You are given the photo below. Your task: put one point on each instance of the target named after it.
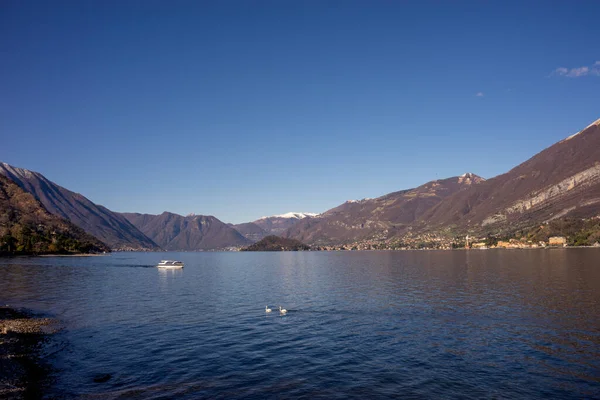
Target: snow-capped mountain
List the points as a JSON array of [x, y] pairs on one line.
[[381, 217], [277, 224], [296, 215]]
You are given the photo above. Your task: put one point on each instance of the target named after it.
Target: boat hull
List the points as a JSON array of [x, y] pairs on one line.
[[171, 264]]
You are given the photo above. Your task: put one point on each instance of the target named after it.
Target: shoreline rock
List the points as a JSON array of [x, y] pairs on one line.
[[23, 372]]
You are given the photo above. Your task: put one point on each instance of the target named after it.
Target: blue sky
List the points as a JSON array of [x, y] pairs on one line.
[[240, 109]]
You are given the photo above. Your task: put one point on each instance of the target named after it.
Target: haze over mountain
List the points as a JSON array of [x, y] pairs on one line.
[[111, 228], [192, 232], [562, 180], [26, 227]]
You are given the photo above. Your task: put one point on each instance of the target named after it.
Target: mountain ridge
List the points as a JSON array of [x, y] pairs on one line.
[[562, 176], [377, 218], [26, 227], [97, 220], [560, 181], [296, 215], [250, 231], [193, 232], [277, 224]]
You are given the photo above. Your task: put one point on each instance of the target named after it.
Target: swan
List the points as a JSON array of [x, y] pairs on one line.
[[282, 311], [267, 309]]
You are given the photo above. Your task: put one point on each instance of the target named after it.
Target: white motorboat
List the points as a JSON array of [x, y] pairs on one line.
[[170, 264]]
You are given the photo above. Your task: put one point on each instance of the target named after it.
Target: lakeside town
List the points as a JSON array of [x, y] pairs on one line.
[[430, 242]]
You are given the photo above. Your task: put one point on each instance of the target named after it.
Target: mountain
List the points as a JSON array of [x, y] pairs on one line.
[[193, 232], [276, 243], [277, 224], [273, 225], [111, 228], [560, 181], [26, 227], [379, 218], [250, 231]]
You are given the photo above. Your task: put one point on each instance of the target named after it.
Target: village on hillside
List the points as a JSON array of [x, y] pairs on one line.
[[431, 242]]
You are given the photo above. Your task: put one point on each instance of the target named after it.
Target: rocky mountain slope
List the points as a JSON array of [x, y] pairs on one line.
[[560, 181], [379, 218], [111, 228], [193, 232], [26, 227]]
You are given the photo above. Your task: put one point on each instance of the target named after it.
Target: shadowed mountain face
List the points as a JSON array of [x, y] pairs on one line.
[[561, 181], [112, 228], [196, 232], [27, 227], [250, 231], [380, 218]]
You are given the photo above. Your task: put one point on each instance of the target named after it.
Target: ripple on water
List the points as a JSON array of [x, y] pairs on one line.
[[360, 325]]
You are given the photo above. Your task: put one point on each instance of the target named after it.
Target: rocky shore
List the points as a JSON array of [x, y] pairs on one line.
[[23, 372]]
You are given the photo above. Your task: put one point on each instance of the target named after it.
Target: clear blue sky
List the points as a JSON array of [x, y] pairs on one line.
[[241, 109]]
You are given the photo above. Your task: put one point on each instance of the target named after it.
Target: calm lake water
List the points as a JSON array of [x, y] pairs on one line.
[[406, 324]]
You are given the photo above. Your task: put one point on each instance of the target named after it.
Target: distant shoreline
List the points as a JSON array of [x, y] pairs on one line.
[[73, 255], [53, 255], [348, 250]]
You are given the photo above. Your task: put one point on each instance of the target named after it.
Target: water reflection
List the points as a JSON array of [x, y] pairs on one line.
[[167, 276]]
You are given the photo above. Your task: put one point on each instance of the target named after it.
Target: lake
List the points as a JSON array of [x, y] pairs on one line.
[[381, 324]]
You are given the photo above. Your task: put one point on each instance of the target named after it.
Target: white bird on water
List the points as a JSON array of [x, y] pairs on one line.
[[282, 311], [267, 309]]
